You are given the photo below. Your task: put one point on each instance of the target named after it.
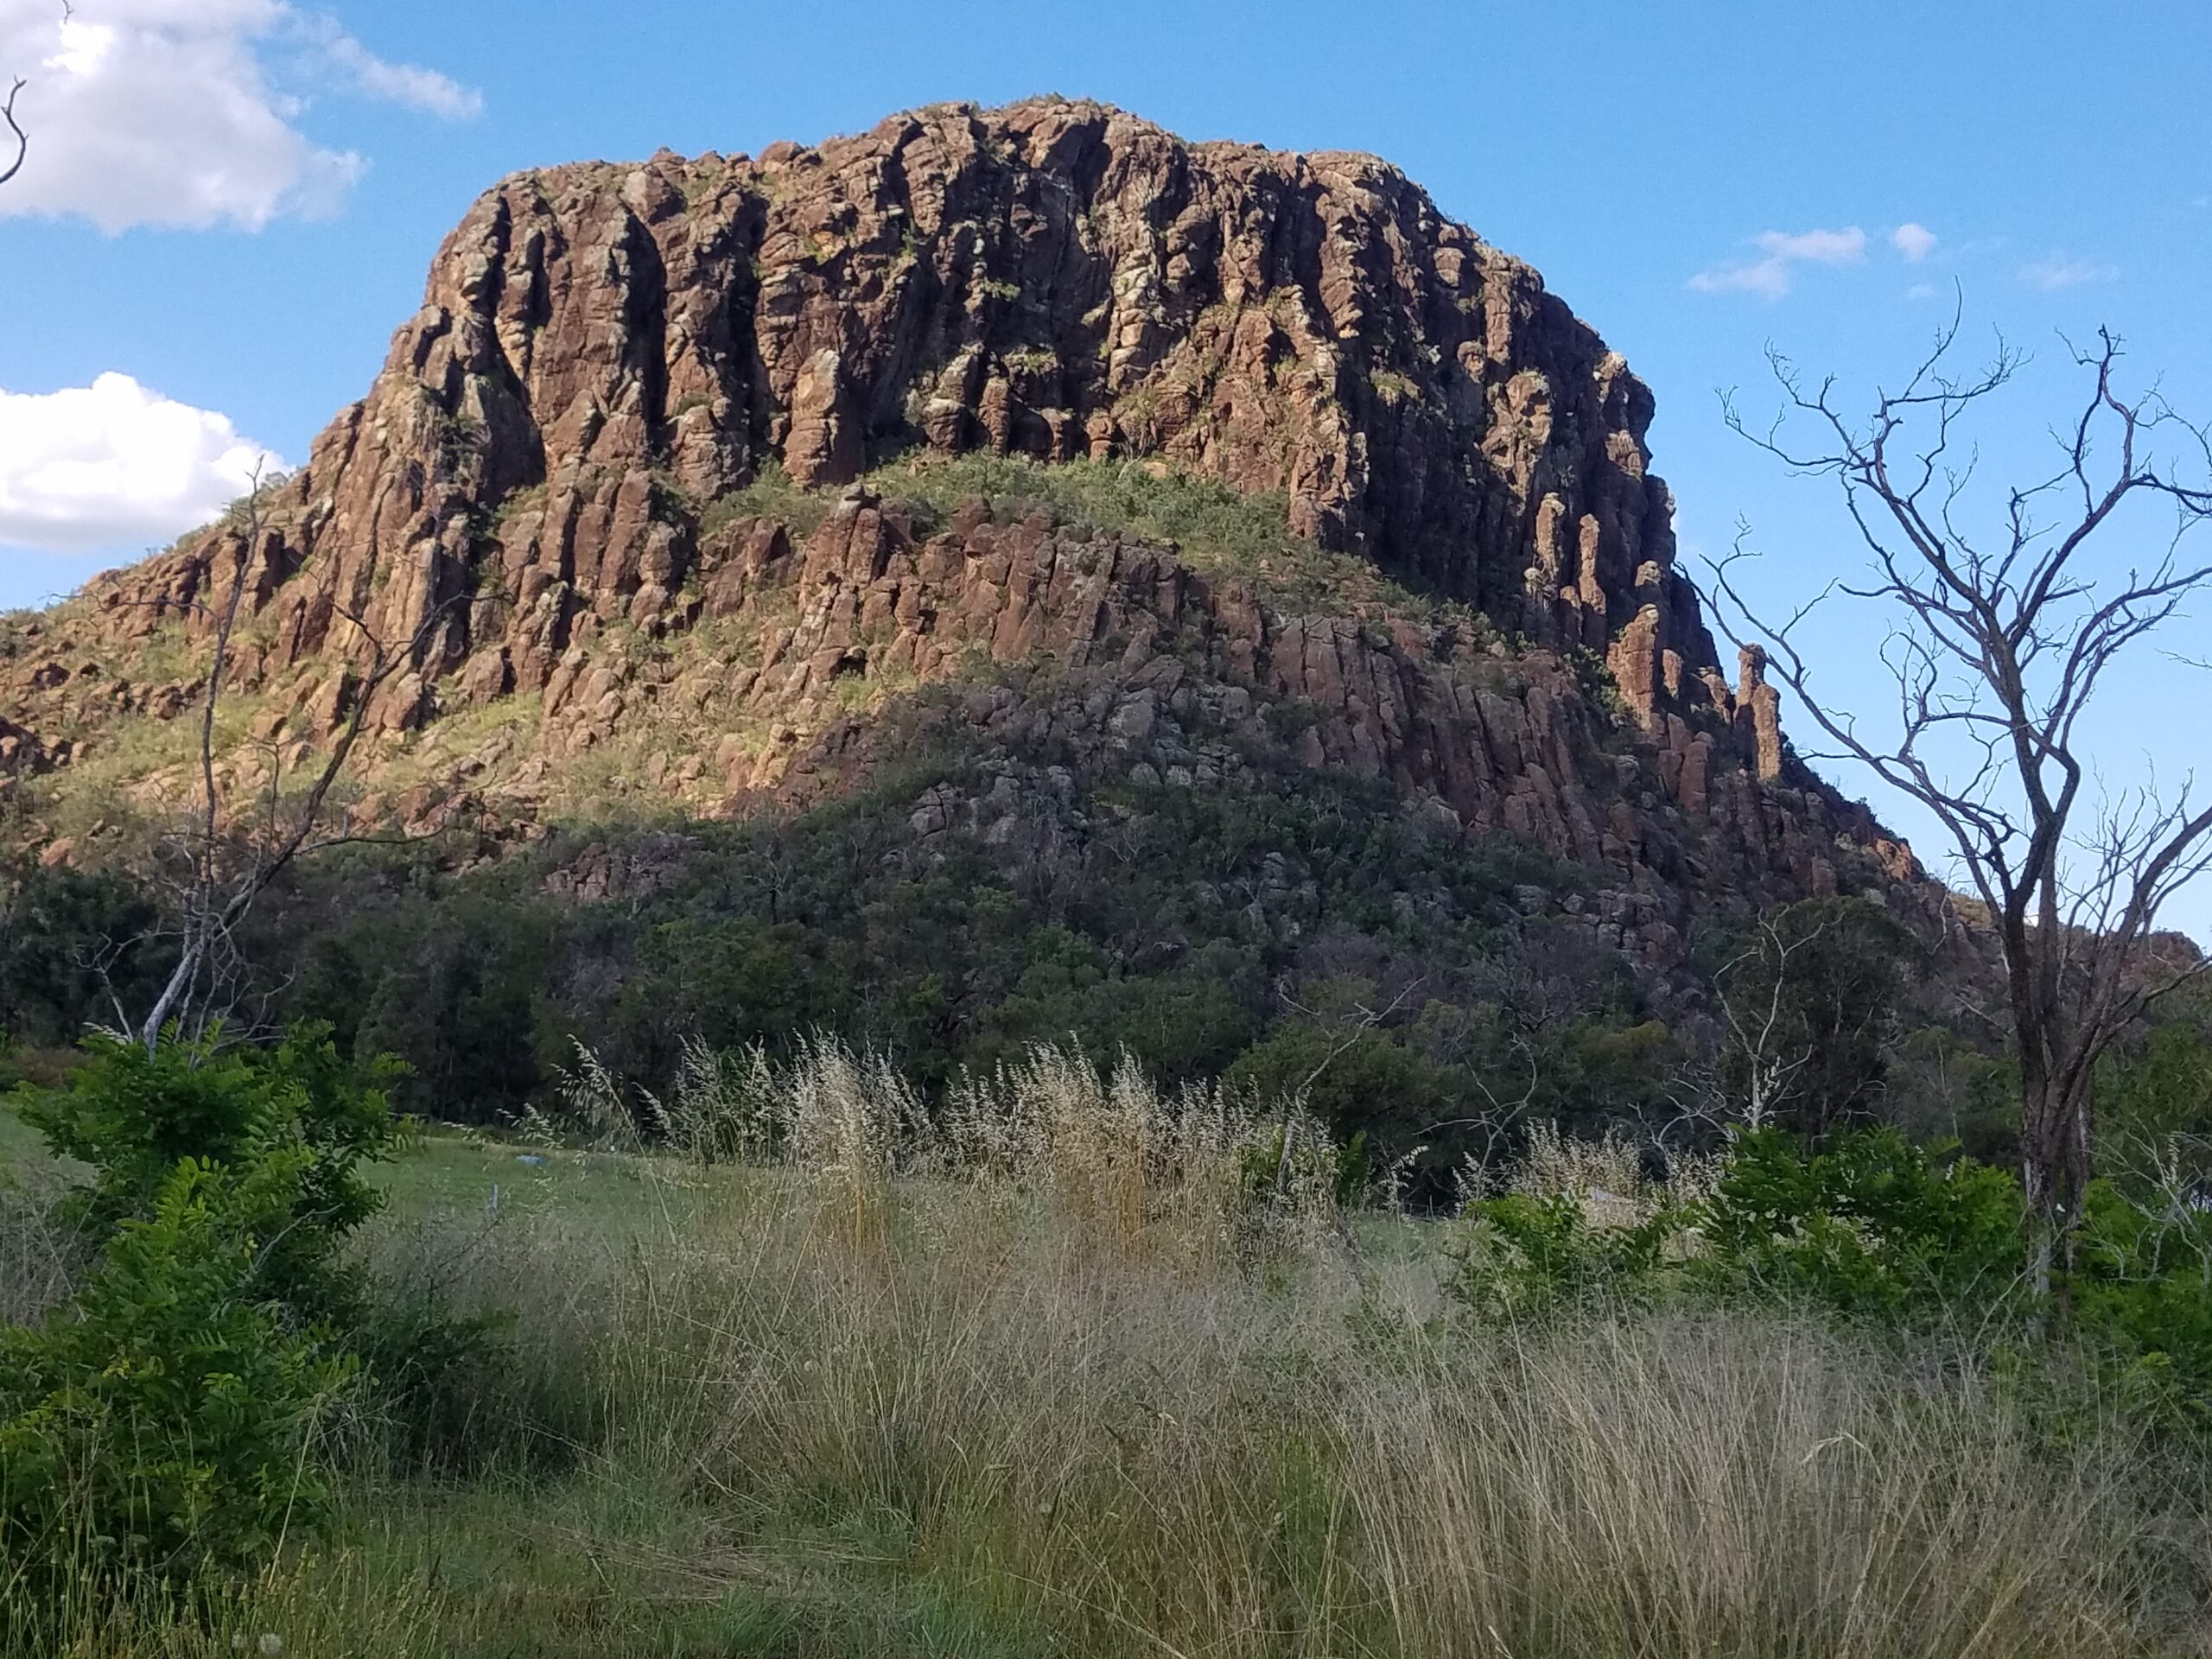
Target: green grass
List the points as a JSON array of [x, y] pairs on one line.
[[612, 1196], [1216, 531], [21, 1149]]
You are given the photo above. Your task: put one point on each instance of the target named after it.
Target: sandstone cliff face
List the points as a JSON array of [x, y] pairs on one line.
[[605, 354]]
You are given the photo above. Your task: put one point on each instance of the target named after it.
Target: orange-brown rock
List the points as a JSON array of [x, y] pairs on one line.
[[602, 349], [533, 491]]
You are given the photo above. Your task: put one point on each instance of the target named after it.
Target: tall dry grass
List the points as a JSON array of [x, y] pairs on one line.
[[1027, 1378], [1125, 1164], [1106, 1455], [1047, 1380]]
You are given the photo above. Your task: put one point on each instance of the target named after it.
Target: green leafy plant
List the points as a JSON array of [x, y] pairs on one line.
[[1869, 1223], [163, 1426], [2141, 1284], [1525, 1255], [134, 1117], [166, 1424]]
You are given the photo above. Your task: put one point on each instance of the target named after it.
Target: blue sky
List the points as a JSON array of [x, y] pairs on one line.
[[2051, 160]]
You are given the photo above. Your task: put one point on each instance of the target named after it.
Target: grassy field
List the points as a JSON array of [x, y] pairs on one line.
[[817, 1411]]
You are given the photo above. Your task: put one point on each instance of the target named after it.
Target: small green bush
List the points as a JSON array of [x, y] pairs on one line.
[[1525, 1256], [2140, 1285], [134, 1117], [166, 1424], [163, 1426], [1869, 1223]]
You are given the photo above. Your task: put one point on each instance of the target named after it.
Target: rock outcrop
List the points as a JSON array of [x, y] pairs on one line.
[[553, 493], [1145, 653]]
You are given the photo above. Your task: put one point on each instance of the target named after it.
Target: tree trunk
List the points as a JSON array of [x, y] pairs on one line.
[[2055, 1169]]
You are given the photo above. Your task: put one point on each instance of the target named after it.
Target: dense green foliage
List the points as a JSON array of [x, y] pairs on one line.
[[1247, 931], [164, 1425], [2159, 1089], [1886, 1233], [70, 945], [168, 1421], [1868, 1224], [295, 1118], [1525, 1256], [2141, 1280], [1815, 994]]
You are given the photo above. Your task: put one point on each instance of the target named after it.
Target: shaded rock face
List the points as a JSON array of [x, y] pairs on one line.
[[529, 494], [1162, 675]]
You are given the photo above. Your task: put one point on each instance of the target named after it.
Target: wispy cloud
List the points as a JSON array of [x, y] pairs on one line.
[[1916, 241], [328, 49], [162, 112], [1781, 252], [2064, 271]]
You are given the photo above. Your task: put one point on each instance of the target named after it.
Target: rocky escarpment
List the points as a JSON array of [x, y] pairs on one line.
[[1144, 652], [557, 491]]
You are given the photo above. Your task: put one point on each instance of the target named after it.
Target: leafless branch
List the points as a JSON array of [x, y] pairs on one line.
[[8, 109], [1997, 648], [221, 874], [23, 138], [1365, 1020], [1771, 1068]]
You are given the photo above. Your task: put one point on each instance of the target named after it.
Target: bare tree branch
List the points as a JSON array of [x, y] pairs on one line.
[[8, 109], [226, 868], [1996, 649], [23, 138]]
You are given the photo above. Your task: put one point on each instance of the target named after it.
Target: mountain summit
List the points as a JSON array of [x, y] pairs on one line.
[[708, 484]]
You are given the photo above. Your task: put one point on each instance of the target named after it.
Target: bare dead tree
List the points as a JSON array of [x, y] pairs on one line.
[[1760, 1026], [1998, 641], [226, 859]]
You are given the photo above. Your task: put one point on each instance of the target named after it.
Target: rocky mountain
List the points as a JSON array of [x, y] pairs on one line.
[[714, 486]]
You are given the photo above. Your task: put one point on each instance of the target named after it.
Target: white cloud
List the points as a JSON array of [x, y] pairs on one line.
[[1782, 251], [1827, 247], [1914, 242], [2063, 271], [335, 54], [182, 113], [114, 465]]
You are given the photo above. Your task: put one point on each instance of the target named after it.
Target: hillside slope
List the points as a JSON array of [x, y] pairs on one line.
[[1098, 463]]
